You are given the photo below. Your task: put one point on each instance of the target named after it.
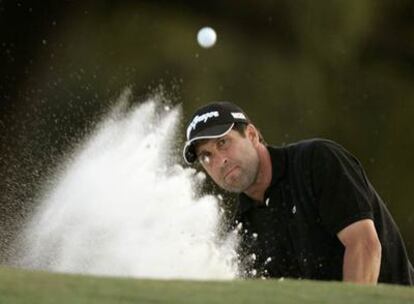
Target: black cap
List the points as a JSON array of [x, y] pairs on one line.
[[211, 121]]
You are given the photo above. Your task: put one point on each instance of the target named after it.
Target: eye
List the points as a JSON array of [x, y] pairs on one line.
[[204, 158], [222, 143]]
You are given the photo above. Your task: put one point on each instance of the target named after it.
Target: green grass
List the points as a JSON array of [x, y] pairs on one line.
[[30, 287]]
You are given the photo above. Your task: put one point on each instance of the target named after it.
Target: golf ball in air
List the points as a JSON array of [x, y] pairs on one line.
[[206, 37]]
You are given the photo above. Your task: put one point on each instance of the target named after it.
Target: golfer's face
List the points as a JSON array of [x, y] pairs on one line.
[[231, 161]]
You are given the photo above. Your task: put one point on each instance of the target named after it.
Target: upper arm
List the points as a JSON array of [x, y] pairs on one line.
[[342, 194], [362, 232]]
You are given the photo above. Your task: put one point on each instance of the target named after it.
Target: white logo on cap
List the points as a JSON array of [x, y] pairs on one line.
[[200, 118], [238, 115]]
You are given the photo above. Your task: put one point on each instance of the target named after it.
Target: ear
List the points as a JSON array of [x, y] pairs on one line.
[[251, 133]]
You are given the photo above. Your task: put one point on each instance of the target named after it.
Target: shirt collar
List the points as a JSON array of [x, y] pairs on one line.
[[278, 161]]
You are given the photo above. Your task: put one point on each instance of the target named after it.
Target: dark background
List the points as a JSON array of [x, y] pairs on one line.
[[337, 69]]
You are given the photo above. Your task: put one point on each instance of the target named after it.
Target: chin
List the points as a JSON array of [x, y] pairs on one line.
[[233, 189]]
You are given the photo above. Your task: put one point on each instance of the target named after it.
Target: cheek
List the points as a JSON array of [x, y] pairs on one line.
[[245, 155], [238, 153], [211, 172], [215, 174]]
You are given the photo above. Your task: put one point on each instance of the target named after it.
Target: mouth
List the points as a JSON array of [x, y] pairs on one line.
[[230, 171]]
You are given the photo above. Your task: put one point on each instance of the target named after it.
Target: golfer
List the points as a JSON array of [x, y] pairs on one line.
[[306, 210]]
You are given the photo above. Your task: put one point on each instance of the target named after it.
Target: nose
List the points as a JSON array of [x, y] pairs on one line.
[[222, 158]]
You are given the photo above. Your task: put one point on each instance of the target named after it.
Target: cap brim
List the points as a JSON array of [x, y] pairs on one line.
[[209, 133]]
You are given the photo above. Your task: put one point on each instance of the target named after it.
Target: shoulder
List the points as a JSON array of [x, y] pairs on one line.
[[314, 143], [309, 148], [320, 153]]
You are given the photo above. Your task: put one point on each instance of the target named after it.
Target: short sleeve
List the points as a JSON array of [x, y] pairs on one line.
[[342, 191]]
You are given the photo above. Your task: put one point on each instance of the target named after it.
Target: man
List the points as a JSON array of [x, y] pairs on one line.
[[306, 210]]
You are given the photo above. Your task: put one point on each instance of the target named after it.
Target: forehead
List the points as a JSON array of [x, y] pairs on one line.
[[206, 144], [203, 144]]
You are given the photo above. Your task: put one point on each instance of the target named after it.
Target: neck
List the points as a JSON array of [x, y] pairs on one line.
[[264, 176]]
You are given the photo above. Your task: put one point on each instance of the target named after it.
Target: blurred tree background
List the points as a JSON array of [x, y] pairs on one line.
[[338, 69]]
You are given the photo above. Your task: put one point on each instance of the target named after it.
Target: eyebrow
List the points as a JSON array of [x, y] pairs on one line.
[[203, 141], [198, 150], [201, 152]]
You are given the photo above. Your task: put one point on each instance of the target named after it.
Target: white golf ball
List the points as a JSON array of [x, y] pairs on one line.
[[206, 37]]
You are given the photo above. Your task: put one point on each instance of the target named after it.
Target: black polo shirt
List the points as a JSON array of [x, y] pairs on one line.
[[317, 189]]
